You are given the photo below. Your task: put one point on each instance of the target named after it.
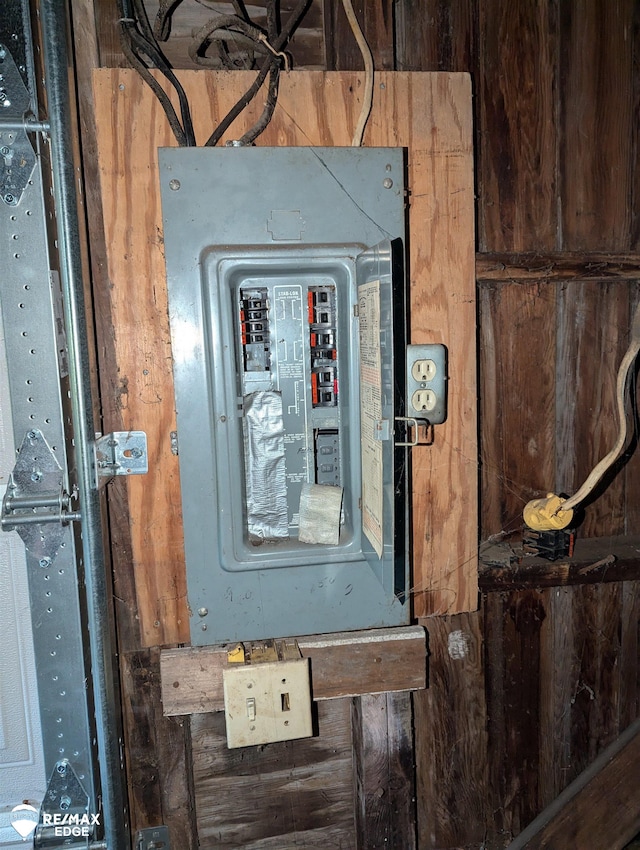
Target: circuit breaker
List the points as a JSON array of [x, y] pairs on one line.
[[287, 310]]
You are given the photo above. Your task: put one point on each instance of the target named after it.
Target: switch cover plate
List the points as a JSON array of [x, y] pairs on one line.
[[267, 702]]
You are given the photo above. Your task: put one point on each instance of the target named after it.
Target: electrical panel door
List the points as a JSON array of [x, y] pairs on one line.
[[287, 308]]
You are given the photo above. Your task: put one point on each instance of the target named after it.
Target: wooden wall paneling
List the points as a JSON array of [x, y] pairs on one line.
[[630, 654], [599, 809], [597, 105], [451, 737], [517, 400], [517, 136], [384, 774], [595, 701], [108, 31], [558, 676], [159, 769], [435, 35], [430, 115], [593, 332], [377, 23], [290, 794]]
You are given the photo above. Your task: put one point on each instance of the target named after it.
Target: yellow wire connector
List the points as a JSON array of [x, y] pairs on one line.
[[547, 514]]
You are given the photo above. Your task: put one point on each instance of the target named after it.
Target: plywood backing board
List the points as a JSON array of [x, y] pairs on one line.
[[430, 115]]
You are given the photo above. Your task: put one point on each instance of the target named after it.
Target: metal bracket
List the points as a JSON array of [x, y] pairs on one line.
[[35, 504], [413, 426], [121, 453], [65, 819], [153, 838], [17, 156]]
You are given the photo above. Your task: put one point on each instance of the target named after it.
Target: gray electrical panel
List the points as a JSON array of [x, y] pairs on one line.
[[287, 309]]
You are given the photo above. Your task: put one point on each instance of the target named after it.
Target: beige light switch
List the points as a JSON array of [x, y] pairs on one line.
[[267, 702]]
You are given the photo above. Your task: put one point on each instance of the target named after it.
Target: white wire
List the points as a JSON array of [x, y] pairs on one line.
[[367, 99], [621, 384]]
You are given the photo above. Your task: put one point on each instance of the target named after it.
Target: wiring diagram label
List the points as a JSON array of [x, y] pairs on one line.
[[371, 412]]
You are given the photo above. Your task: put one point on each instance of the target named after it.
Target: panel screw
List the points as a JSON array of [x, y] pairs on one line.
[[3, 54], [4, 150], [202, 612], [32, 435], [135, 452], [36, 475], [204, 627], [45, 562], [174, 185], [61, 767], [9, 198], [387, 182], [65, 803]]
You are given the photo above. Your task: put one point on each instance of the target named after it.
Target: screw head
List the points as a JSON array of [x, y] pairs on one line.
[[65, 803], [174, 185], [32, 435], [61, 768], [387, 182], [45, 562], [4, 150], [36, 475], [9, 198], [202, 612]]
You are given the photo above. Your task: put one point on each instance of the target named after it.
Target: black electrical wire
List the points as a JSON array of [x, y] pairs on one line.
[[162, 23], [271, 62], [215, 31], [139, 46]]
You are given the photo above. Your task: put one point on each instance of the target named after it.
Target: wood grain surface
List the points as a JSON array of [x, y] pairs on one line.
[[342, 664], [290, 794], [430, 115]]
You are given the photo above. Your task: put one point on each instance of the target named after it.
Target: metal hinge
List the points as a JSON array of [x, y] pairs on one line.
[[121, 453], [153, 838], [17, 156], [36, 504], [65, 819]]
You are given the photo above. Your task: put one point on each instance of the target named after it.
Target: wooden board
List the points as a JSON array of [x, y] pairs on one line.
[[597, 114], [599, 809], [290, 794], [159, 771], [384, 773], [342, 664], [517, 368], [427, 113], [595, 560], [518, 126], [451, 739]]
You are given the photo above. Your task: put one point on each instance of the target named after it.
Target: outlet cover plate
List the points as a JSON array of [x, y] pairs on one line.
[[436, 383], [267, 702]]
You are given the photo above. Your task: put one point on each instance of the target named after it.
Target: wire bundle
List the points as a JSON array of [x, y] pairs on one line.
[[141, 47]]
